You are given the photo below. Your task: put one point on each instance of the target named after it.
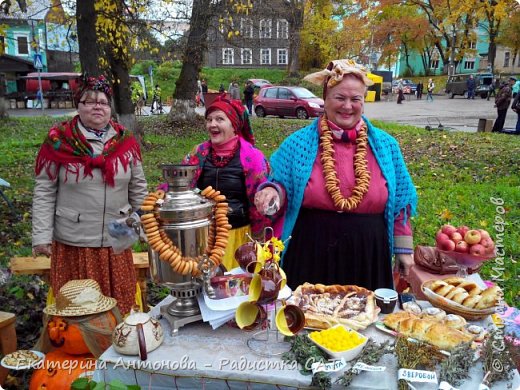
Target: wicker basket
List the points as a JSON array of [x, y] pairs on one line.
[[452, 307]]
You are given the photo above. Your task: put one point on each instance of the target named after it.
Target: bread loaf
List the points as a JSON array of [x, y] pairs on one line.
[[466, 293]]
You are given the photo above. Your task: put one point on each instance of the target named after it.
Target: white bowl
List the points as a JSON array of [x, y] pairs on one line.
[[348, 354]]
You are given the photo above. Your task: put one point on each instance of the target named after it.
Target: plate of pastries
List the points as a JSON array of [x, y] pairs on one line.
[[463, 297], [433, 326]]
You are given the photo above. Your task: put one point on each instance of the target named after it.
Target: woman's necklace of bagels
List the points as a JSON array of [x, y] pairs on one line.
[[361, 173], [160, 242]]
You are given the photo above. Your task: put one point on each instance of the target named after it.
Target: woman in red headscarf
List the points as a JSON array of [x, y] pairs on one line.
[[88, 173], [231, 164]]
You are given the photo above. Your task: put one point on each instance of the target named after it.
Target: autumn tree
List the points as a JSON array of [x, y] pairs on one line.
[[510, 33]]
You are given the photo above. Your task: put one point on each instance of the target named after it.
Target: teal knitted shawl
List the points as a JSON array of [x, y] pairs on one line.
[[291, 166]]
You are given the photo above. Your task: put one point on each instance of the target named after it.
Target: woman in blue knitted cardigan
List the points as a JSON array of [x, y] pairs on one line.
[[343, 190]]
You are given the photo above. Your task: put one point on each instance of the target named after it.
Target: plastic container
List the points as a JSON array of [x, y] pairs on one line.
[[347, 354]]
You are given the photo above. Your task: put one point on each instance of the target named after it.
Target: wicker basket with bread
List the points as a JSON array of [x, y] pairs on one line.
[[463, 297]]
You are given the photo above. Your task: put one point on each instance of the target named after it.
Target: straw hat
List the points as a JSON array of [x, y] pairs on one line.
[[80, 298]]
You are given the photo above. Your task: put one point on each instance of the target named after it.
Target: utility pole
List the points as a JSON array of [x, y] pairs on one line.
[[451, 68]]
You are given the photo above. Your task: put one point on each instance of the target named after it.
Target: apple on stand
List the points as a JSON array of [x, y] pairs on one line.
[[472, 237], [448, 229], [456, 237], [462, 247], [477, 250], [463, 230]]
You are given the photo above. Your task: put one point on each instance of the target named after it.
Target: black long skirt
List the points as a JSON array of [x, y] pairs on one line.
[[339, 248]]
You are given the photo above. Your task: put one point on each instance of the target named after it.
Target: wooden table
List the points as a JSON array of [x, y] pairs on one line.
[[42, 266]]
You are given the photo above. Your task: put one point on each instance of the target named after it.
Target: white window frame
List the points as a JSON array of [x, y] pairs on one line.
[[282, 29], [262, 52], [250, 51], [246, 27], [472, 45], [266, 26], [228, 56], [434, 64], [469, 64], [507, 59], [17, 52], [280, 51]]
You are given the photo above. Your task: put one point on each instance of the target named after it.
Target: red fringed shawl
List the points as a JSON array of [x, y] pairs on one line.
[[66, 146]]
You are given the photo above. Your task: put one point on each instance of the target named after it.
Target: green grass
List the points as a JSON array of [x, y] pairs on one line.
[[456, 174]]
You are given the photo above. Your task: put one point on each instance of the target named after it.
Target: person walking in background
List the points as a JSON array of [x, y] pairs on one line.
[[516, 88], [502, 101], [470, 86], [249, 92], [419, 90], [234, 91], [400, 92], [429, 89], [156, 101], [203, 91], [493, 89], [515, 106], [39, 99], [221, 89]]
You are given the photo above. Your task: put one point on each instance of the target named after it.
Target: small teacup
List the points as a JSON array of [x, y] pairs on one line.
[[263, 289], [386, 299], [250, 315], [290, 319], [245, 255], [273, 271]]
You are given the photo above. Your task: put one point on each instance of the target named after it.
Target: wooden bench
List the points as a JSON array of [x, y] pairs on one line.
[[42, 266], [7, 339]]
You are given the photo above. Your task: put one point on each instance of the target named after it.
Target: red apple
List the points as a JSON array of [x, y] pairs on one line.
[[488, 244], [483, 233], [463, 230], [456, 237], [477, 250], [462, 247], [448, 229], [446, 245], [472, 237], [441, 237]]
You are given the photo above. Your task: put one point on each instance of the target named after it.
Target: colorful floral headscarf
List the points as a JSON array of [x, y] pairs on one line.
[[335, 71], [236, 113], [99, 84]]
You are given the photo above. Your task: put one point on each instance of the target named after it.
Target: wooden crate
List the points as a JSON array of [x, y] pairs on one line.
[[68, 104], [20, 104], [54, 104], [61, 104], [12, 104]]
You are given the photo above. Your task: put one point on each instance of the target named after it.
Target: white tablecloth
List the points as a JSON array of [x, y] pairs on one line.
[[199, 357]]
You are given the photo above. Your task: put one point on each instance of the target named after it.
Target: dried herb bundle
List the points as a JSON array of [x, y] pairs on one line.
[[305, 352], [456, 367], [497, 362], [414, 355], [371, 354]]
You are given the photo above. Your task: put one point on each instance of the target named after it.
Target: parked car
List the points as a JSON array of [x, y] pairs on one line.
[[456, 84], [288, 101], [408, 86]]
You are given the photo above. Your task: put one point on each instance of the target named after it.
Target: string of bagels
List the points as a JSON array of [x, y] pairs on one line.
[[160, 242]]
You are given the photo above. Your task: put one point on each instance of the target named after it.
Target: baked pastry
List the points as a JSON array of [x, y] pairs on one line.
[[455, 321], [326, 306], [465, 293], [428, 330], [22, 357], [433, 312]]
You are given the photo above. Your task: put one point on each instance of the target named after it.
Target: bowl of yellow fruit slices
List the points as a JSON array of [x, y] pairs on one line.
[[339, 342]]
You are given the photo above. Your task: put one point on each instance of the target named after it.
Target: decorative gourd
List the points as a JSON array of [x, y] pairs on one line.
[[65, 335], [59, 370]]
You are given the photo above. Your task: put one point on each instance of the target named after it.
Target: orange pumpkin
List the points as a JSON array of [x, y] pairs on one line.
[[67, 337], [59, 370]]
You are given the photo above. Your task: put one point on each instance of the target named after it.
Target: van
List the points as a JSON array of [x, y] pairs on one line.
[[456, 84]]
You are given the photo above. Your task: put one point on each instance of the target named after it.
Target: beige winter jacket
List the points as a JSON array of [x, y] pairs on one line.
[[77, 213]]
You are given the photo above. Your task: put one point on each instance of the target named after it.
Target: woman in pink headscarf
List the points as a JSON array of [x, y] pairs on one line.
[[230, 163]]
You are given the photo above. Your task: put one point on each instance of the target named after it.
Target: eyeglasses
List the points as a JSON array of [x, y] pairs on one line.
[[93, 103]]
